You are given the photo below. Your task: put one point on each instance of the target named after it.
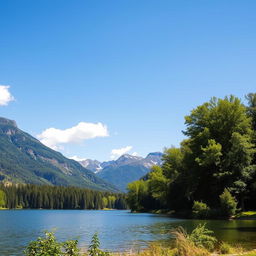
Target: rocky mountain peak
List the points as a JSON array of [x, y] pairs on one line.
[[5, 121], [154, 154], [125, 169], [91, 165], [127, 159]]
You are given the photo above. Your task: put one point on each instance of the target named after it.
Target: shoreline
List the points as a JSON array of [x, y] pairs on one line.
[[104, 209], [246, 215]]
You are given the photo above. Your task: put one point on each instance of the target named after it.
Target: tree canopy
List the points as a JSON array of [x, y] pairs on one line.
[[218, 154]]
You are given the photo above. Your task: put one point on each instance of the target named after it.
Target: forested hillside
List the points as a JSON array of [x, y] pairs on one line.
[[24, 159], [216, 162]]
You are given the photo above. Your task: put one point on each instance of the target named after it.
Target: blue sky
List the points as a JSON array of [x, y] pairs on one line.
[[137, 67]]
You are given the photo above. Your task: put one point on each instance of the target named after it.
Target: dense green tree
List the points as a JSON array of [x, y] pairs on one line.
[[251, 109], [2, 199], [105, 202], [228, 204], [172, 163], [218, 153], [200, 210], [251, 98], [220, 139], [137, 191], [158, 185]]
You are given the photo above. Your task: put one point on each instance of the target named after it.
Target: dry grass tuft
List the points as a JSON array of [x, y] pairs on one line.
[[185, 247]]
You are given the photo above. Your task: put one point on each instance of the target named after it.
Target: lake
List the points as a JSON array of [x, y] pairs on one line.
[[118, 230]]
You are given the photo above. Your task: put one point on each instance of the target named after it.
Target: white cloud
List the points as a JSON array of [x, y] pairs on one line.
[[77, 158], [115, 153], [53, 137], [5, 95], [135, 154]]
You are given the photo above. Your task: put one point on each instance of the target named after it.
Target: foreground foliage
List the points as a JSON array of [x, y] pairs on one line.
[[49, 246], [203, 238], [186, 246], [200, 242], [94, 248]]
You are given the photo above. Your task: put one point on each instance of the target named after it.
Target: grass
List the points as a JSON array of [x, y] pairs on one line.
[[185, 246], [153, 250], [252, 253], [246, 215], [158, 250]]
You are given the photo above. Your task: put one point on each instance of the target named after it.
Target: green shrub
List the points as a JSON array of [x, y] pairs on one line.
[[49, 246], [71, 248], [94, 249], [228, 204], [203, 237], [225, 248], [200, 210]]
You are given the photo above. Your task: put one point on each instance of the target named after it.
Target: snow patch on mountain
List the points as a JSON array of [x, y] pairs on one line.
[[150, 160]]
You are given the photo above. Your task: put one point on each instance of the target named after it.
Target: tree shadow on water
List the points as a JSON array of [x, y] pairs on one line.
[[241, 229]]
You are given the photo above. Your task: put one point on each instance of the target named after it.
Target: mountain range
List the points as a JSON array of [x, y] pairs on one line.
[[125, 169], [24, 159]]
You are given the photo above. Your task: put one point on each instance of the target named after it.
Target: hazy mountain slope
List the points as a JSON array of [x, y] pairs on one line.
[[24, 159], [125, 169], [122, 175]]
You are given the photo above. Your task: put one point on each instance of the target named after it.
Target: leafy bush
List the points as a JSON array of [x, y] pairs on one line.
[[203, 237], [200, 210], [225, 248], [49, 246], [228, 204], [94, 249], [71, 248]]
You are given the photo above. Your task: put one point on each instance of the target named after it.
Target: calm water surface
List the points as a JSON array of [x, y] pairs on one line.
[[118, 230]]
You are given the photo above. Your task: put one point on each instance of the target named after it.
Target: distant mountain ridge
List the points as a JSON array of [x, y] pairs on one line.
[[24, 159], [125, 169]]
